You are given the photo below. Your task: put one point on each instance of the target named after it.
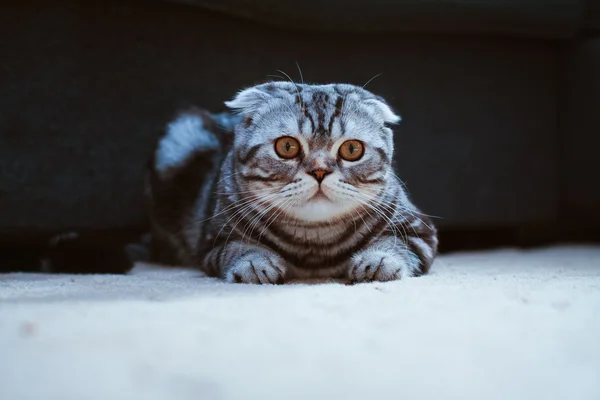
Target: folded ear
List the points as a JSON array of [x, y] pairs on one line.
[[248, 100], [384, 110]]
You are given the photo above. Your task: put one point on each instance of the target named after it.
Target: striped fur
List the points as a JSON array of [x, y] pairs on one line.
[[226, 202]]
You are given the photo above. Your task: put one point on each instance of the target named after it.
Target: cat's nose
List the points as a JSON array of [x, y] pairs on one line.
[[319, 174]]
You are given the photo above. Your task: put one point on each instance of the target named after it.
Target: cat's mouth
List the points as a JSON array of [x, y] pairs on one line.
[[322, 205], [320, 196]]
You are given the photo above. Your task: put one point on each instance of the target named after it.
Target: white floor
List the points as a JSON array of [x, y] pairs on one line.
[[499, 325]]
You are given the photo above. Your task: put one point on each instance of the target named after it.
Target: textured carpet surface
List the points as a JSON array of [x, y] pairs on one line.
[[491, 325]]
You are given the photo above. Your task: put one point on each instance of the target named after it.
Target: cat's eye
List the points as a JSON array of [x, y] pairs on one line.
[[287, 147], [352, 150]]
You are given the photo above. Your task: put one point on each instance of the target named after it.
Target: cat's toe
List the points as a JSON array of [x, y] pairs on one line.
[[256, 268], [376, 266]]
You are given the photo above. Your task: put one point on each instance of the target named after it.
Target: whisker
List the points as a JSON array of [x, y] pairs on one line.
[[354, 220], [254, 222], [369, 81], [394, 211], [245, 210], [228, 176], [411, 212], [389, 221], [290, 79], [363, 220], [282, 206], [300, 71], [242, 216], [246, 192], [294, 83], [406, 189], [232, 206]]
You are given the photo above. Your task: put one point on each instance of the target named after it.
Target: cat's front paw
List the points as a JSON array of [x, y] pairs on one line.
[[257, 267], [373, 265]]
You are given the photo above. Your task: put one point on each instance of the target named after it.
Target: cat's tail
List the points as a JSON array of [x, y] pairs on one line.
[[76, 253]]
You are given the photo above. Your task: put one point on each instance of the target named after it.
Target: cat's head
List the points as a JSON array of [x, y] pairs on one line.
[[315, 152]]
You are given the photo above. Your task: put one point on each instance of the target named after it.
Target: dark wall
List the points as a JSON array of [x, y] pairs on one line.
[[580, 143], [85, 89]]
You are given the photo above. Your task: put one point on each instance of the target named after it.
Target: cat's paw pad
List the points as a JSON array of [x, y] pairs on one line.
[[378, 266], [255, 267]]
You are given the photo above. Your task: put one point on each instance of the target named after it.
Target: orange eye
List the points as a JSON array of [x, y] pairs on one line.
[[352, 150], [287, 147]]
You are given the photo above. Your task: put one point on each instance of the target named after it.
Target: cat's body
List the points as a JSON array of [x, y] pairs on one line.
[[303, 188]]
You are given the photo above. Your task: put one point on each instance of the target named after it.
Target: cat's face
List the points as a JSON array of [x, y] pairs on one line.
[[314, 153]]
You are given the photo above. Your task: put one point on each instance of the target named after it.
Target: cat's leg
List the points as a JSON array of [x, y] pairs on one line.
[[395, 257], [239, 262]]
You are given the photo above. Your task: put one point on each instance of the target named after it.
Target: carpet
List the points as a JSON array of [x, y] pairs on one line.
[[504, 324]]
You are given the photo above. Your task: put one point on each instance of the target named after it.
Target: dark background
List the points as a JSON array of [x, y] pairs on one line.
[[499, 99]]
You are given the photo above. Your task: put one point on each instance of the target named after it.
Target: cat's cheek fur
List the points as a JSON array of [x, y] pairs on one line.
[[257, 266], [375, 264]]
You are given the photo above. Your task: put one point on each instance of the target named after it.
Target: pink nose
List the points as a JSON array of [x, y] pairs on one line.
[[319, 174]]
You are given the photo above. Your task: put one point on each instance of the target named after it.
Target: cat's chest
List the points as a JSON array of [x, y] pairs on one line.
[[317, 234]]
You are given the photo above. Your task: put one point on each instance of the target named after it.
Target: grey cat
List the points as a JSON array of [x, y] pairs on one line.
[[298, 183]]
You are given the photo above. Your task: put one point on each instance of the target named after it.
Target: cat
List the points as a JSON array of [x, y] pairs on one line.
[[296, 183]]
